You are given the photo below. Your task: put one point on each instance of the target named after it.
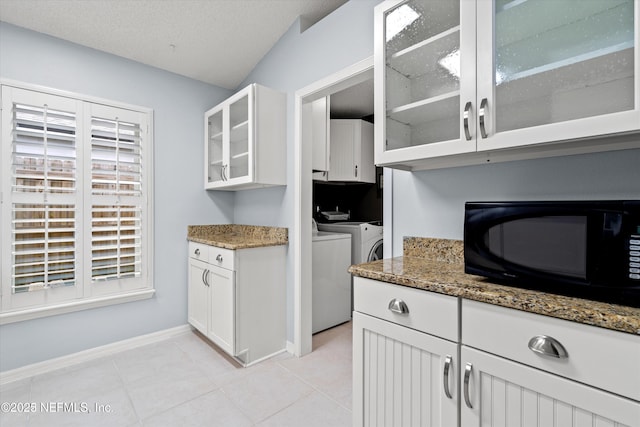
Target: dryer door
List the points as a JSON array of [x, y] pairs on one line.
[[376, 251]]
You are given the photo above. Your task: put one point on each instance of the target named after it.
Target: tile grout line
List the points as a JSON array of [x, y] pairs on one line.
[[314, 388]]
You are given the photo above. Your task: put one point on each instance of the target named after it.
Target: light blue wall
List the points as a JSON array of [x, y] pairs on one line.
[[431, 203], [179, 198]]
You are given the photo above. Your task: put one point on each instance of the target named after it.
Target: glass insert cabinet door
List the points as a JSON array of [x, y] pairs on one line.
[[215, 161], [550, 70], [239, 124], [425, 72]]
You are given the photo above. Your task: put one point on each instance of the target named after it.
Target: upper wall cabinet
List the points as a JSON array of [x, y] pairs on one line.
[[462, 82], [351, 151], [245, 141]]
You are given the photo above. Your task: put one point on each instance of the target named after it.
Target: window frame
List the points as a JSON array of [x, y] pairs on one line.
[[88, 294]]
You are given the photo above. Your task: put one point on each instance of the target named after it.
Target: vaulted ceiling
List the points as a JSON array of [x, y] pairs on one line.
[[215, 41]]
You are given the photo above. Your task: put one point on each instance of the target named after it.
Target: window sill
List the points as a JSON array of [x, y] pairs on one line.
[[34, 313]]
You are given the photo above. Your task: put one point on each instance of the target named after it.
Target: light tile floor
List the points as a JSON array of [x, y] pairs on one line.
[[185, 381]]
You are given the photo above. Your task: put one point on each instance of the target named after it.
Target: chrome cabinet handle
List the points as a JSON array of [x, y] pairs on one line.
[[204, 277], [224, 172], [219, 258], [548, 346], [356, 170], [481, 114], [467, 375], [447, 366], [467, 109], [197, 252], [398, 306]]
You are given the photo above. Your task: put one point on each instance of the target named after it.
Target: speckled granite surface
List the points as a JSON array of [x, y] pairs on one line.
[[437, 265], [237, 236]]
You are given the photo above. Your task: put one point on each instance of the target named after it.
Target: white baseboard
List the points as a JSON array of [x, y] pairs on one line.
[[291, 348], [90, 354]]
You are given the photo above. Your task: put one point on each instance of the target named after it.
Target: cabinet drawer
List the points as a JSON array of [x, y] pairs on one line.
[[221, 257], [596, 356], [428, 312], [199, 251]]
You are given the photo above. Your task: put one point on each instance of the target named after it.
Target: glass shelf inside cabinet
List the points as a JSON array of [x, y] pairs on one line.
[[556, 62], [422, 73]]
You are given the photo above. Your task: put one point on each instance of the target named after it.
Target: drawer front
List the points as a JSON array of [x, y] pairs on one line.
[[221, 257], [596, 356], [428, 312], [199, 251]]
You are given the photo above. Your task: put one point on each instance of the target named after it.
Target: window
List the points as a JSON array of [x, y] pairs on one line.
[[75, 203]]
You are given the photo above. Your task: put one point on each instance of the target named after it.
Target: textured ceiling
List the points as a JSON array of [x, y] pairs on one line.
[[215, 41]]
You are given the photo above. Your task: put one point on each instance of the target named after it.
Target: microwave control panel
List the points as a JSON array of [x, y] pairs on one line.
[[634, 256]]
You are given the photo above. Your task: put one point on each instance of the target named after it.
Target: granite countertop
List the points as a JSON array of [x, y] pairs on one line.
[[237, 236], [437, 265]]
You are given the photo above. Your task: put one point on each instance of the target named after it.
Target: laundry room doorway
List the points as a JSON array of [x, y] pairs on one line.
[[355, 77]]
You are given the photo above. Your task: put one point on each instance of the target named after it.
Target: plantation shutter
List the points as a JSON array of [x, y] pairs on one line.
[[43, 208], [117, 200], [74, 217]]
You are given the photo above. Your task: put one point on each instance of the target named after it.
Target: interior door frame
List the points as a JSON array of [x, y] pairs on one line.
[[347, 77]]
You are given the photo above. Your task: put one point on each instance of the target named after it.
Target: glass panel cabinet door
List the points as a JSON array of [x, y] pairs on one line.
[[239, 141], [418, 62], [215, 160], [556, 61]]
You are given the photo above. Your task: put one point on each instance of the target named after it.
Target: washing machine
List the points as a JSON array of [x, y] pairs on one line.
[[366, 238], [331, 281]]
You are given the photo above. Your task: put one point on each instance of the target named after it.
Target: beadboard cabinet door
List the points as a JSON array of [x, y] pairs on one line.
[[497, 392], [402, 377]]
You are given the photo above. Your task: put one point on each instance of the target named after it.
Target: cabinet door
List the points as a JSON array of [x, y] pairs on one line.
[[503, 393], [319, 127], [556, 70], [198, 296], [345, 137], [399, 376], [241, 122], [424, 78], [214, 147], [223, 308]]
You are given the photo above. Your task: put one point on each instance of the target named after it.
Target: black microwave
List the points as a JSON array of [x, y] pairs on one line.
[[587, 249]]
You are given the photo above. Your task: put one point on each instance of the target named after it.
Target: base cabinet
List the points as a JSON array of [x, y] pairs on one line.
[[501, 368], [402, 377], [498, 393], [404, 356], [236, 298]]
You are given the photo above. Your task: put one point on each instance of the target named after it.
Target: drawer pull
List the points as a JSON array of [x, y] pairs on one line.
[[447, 366], [197, 252], [467, 375], [398, 306], [219, 258], [548, 346]]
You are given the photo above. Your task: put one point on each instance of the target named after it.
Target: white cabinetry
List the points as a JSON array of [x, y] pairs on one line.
[[461, 82], [320, 134], [237, 299], [406, 365], [405, 356], [245, 141], [594, 381], [351, 158]]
